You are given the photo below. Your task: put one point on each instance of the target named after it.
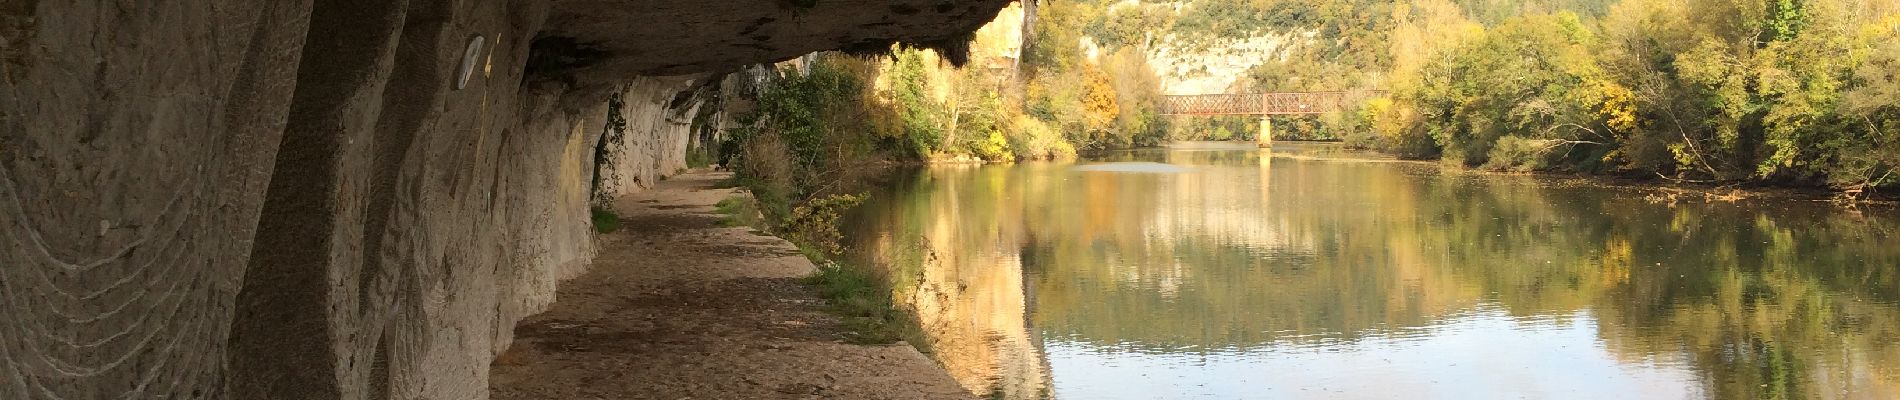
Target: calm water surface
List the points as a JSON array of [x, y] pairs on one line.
[[1216, 272]]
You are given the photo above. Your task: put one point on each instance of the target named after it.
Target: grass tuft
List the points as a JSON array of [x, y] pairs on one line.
[[740, 211], [861, 297]]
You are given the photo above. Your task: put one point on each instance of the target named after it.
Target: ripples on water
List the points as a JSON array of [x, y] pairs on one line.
[[1213, 272]]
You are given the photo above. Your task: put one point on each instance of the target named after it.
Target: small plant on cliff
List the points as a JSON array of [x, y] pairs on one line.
[[605, 220]]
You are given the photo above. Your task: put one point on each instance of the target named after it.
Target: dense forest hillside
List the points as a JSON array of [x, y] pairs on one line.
[[1786, 91], [1790, 92], [1796, 92]]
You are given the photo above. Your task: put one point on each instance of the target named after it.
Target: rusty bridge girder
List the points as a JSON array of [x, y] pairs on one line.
[[1291, 103]]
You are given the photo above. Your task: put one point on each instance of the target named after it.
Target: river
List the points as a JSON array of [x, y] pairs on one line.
[[1212, 271]]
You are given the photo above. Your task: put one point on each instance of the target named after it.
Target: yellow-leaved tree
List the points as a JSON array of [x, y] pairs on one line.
[[1098, 100]]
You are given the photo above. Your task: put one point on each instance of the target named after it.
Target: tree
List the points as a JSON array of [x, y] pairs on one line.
[[920, 114], [1137, 93], [1099, 105]]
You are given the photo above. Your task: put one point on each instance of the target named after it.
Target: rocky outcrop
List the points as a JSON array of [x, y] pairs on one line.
[[339, 198], [655, 134], [668, 37]]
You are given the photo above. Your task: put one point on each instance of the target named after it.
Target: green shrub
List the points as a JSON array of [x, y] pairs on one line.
[[1030, 138], [605, 221], [1520, 154], [699, 157], [922, 116], [992, 147], [765, 167], [815, 223]]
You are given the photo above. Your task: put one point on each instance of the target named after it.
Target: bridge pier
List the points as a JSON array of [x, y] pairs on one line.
[[1266, 132]]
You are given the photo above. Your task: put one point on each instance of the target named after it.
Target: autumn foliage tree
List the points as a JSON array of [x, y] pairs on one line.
[[1098, 101]]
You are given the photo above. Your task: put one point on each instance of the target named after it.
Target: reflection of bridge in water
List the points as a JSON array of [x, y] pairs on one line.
[[1265, 105]]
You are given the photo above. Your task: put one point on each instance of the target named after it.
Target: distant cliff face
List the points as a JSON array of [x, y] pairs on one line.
[[1216, 68], [339, 198]]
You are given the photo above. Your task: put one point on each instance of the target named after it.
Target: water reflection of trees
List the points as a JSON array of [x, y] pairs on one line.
[[964, 279], [1763, 299]]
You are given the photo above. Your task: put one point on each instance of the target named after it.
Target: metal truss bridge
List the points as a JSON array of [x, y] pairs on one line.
[[1288, 103]]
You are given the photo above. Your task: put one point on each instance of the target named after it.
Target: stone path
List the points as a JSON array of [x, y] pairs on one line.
[[677, 307]]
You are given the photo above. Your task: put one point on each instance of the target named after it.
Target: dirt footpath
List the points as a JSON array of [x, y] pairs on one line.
[[677, 307]]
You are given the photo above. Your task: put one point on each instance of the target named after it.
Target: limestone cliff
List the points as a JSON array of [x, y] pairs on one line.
[[339, 198]]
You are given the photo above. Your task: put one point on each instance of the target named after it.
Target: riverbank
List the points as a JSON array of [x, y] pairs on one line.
[[678, 307], [1657, 187]]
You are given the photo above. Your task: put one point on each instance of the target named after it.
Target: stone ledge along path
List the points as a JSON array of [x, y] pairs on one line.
[[677, 307]]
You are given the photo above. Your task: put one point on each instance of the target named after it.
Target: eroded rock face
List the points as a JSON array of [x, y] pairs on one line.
[[656, 134], [135, 144], [292, 199], [698, 36]]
